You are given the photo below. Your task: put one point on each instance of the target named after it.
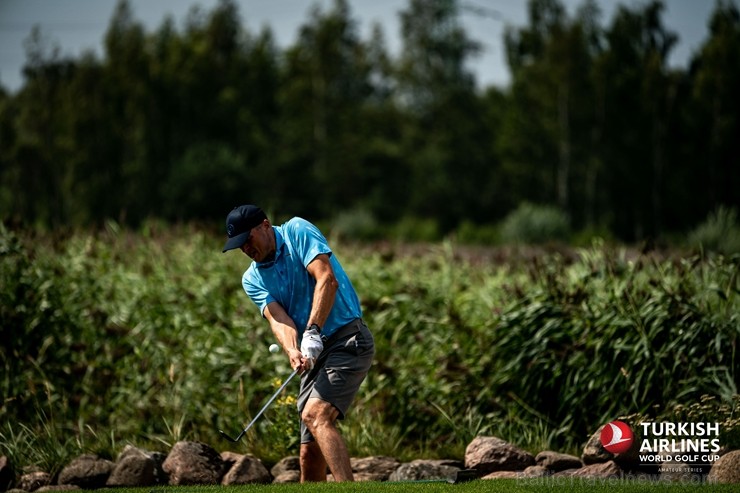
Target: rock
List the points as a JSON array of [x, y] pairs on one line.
[[375, 468], [135, 468], [726, 469], [555, 461], [286, 464], [608, 469], [160, 477], [366, 476], [565, 474], [7, 473], [59, 487], [246, 470], [34, 480], [287, 477], [594, 452], [491, 454], [87, 471], [503, 475], [425, 469], [190, 463], [535, 472], [230, 458]]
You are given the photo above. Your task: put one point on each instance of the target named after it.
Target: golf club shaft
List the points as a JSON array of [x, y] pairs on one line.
[[274, 396]]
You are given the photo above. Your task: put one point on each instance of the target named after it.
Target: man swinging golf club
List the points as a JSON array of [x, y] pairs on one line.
[[302, 290]]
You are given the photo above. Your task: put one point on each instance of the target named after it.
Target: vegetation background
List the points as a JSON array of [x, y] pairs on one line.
[[184, 123], [533, 260]]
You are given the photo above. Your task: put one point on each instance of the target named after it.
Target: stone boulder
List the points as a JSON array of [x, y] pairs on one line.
[[287, 477], [286, 464], [595, 453], [374, 468], [133, 468], [191, 463], [34, 480], [87, 471], [491, 454], [556, 462], [246, 470], [726, 469], [529, 472], [230, 458], [287, 470], [425, 469], [603, 470], [53, 488], [503, 475], [536, 472]]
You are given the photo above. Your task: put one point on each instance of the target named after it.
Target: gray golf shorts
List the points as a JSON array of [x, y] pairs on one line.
[[339, 371]]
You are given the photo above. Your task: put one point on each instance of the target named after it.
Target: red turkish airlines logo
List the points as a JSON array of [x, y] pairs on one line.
[[617, 437]]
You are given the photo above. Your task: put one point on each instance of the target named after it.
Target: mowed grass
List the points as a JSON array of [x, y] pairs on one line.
[[479, 486]]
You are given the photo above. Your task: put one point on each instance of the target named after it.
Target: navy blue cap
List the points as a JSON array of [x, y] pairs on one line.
[[239, 223]]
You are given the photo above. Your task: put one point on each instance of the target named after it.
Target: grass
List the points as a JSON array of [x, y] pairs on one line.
[[480, 486]]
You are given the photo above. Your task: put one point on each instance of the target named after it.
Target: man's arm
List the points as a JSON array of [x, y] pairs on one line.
[[325, 291], [285, 331]]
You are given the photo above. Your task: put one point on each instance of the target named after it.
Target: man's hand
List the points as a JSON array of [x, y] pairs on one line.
[[311, 346]]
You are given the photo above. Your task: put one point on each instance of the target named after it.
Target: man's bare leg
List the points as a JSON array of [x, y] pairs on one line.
[[313, 464], [320, 416]]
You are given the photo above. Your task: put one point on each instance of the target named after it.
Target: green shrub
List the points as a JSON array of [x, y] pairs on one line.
[[355, 225], [469, 233], [535, 224], [414, 229], [719, 233], [607, 336]]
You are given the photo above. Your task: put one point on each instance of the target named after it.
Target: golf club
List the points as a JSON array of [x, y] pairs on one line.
[[274, 396]]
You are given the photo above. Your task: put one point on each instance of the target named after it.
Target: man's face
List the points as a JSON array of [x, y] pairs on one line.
[[261, 242]]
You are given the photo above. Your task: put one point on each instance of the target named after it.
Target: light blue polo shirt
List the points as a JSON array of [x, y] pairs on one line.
[[286, 280]]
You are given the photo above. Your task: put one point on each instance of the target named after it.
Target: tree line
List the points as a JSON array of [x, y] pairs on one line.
[[183, 123]]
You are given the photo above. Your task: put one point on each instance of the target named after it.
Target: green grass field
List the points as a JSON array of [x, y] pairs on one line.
[[480, 486]]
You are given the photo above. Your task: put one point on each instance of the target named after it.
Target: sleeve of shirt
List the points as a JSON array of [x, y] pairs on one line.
[[256, 290], [308, 240]]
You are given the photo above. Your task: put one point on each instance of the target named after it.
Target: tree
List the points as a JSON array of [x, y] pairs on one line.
[[40, 157], [715, 112], [638, 96], [550, 63], [127, 79], [445, 128], [326, 84]]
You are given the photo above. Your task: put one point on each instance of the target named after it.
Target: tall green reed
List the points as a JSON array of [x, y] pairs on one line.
[[149, 339]]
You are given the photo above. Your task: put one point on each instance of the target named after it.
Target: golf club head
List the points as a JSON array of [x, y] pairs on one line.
[[234, 440]]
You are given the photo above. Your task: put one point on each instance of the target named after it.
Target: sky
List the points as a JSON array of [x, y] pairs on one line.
[[77, 26]]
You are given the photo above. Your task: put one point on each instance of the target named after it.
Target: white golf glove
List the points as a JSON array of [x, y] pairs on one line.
[[311, 346]]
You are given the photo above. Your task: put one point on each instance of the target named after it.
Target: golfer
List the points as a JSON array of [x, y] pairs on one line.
[[303, 292]]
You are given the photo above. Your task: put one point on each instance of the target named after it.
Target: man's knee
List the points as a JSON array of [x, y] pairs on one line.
[[318, 413]]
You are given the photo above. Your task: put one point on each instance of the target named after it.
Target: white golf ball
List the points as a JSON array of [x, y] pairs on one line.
[[274, 348]]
